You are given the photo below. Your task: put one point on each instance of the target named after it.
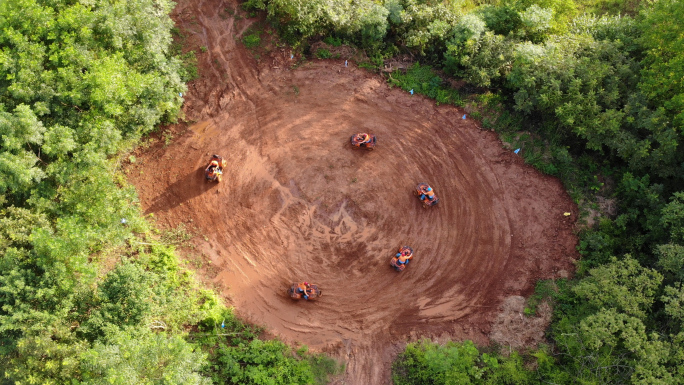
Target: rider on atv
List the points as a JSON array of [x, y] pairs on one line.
[[404, 255], [304, 289], [426, 192], [363, 138], [215, 168]]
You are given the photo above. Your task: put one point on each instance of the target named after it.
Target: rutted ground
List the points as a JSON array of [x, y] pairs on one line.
[[297, 203]]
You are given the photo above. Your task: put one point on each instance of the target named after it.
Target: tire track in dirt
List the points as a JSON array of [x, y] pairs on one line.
[[298, 203]]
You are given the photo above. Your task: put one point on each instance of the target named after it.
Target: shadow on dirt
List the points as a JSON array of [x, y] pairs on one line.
[[187, 187]]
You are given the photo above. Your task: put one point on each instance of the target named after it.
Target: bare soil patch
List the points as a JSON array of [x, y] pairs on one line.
[[298, 203]]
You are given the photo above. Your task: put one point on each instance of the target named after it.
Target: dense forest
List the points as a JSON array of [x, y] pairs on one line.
[[90, 292]]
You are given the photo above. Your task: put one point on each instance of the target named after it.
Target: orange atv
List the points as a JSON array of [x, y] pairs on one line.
[[426, 195], [214, 171], [402, 258], [304, 290], [364, 140]]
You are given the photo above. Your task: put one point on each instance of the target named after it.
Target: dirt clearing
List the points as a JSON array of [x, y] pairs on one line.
[[298, 203]]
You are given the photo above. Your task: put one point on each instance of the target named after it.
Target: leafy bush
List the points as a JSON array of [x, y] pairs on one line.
[[238, 357], [424, 80], [140, 356], [323, 53], [333, 41], [252, 40], [456, 363]]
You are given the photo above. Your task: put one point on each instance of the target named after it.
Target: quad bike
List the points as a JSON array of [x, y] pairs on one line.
[[364, 140], [421, 192], [312, 290], [214, 171], [405, 252]]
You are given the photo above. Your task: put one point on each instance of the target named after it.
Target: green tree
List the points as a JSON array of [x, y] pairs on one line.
[[457, 363], [19, 131], [261, 362], [623, 285], [662, 76], [142, 357]]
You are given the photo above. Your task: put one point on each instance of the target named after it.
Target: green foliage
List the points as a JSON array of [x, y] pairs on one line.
[[576, 81], [78, 81], [238, 357], [189, 69], [142, 357], [663, 64], [123, 299], [456, 363], [19, 130], [543, 291], [536, 22], [323, 53], [623, 285], [671, 259], [252, 40], [261, 362], [424, 80], [333, 41], [672, 218], [611, 7], [323, 367], [674, 303], [45, 357], [483, 61], [501, 20], [425, 27]]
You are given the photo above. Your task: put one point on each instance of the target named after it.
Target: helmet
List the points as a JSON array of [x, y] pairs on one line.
[[213, 163], [429, 188]]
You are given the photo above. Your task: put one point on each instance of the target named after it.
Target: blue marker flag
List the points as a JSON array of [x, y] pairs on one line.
[[517, 151], [411, 91], [463, 116]]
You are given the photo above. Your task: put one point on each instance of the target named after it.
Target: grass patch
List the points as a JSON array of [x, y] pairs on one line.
[[178, 236], [324, 367], [252, 40], [188, 59], [237, 356], [543, 291], [424, 80]]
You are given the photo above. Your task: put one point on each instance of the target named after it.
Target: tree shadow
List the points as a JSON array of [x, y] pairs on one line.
[[189, 186]]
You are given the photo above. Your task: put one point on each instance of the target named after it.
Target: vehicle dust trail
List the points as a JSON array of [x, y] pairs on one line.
[[297, 203]]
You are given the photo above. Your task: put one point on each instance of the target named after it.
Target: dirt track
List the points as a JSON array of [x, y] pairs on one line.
[[299, 204]]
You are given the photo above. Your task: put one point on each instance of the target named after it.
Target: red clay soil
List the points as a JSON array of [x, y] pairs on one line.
[[298, 203]]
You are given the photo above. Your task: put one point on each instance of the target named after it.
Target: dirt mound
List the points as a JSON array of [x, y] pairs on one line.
[[298, 203]]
